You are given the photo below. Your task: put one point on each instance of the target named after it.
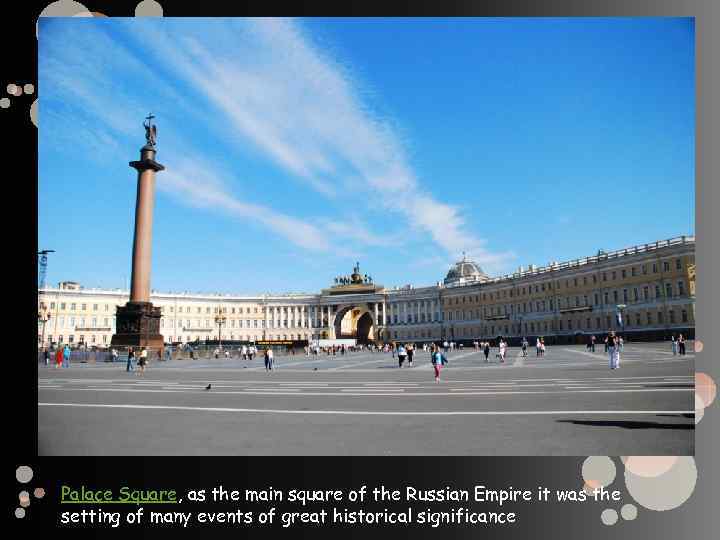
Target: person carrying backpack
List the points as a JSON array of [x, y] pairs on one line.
[[402, 354]]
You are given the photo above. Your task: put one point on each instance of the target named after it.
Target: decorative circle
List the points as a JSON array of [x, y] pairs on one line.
[[4, 103], [23, 474], [29, 88], [598, 471], [649, 466], [698, 346], [11, 88], [39, 493], [19, 513], [34, 112], [24, 498], [705, 386], [63, 8], [609, 516], [629, 512], [148, 8], [666, 491]]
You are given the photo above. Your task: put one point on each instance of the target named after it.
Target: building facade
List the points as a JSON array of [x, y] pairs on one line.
[[647, 292]]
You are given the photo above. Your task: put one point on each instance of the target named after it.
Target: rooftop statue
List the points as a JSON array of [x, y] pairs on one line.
[[150, 130]]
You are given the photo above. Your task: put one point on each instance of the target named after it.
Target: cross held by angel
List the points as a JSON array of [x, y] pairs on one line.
[[150, 130]]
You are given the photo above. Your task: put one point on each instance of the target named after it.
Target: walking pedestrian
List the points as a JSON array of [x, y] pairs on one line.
[[66, 356], [537, 347], [502, 347], [542, 347], [131, 360], [592, 343], [524, 346], [270, 359], [610, 342], [410, 354], [674, 345], [46, 356], [142, 361], [58, 356], [681, 344], [618, 350], [438, 359], [486, 350], [402, 354]]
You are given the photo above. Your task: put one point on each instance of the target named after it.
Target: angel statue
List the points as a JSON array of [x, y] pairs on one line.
[[150, 130]]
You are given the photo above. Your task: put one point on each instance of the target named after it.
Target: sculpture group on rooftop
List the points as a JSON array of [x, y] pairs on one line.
[[355, 278]]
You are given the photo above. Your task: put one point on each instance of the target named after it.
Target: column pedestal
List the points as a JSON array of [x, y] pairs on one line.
[[138, 325]]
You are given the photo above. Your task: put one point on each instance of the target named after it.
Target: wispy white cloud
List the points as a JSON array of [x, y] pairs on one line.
[[196, 183], [275, 88], [301, 107], [355, 229]]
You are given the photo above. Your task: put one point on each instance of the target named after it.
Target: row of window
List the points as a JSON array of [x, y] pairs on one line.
[[186, 309], [633, 321], [635, 295], [73, 307], [93, 339], [541, 287], [72, 322]]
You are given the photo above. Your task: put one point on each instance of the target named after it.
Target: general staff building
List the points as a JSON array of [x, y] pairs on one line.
[[647, 292]]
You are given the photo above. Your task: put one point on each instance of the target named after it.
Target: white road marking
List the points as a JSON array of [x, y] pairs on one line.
[[510, 383], [361, 413], [364, 392], [371, 390]]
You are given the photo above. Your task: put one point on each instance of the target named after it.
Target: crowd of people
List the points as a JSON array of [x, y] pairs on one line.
[[404, 352]]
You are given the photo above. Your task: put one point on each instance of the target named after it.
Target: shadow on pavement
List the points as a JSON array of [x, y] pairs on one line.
[[627, 424]]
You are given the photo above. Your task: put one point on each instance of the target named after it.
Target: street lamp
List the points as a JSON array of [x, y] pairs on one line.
[[44, 316], [220, 320]]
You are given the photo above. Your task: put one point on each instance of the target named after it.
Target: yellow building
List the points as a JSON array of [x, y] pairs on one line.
[[652, 286]]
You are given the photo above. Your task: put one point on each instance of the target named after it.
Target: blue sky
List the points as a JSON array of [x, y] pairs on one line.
[[295, 147]]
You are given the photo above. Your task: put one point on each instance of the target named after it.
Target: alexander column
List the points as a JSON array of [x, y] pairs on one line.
[[138, 322]]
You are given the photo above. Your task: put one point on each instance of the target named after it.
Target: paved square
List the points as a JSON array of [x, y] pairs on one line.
[[566, 403]]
